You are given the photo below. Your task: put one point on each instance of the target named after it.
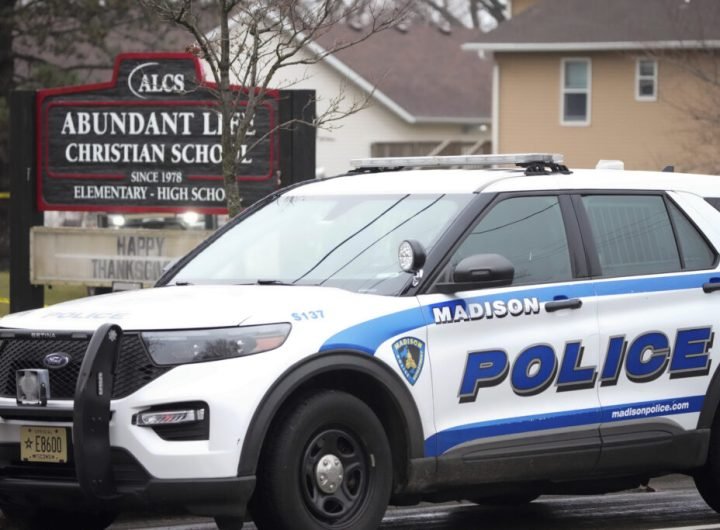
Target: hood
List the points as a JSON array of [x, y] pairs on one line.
[[177, 307]]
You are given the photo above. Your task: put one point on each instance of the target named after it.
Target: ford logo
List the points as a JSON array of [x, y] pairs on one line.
[[56, 360]]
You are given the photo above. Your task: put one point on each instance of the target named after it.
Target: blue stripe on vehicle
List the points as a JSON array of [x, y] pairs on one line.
[[368, 336], [445, 440]]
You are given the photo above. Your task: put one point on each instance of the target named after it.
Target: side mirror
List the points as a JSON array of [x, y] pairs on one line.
[[478, 272]]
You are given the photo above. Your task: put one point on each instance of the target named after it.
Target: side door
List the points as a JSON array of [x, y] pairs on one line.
[[514, 367], [656, 323]]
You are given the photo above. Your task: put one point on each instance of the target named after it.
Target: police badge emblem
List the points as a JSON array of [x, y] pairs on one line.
[[410, 355]]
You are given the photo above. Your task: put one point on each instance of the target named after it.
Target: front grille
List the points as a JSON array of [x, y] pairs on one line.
[[134, 367], [127, 471]]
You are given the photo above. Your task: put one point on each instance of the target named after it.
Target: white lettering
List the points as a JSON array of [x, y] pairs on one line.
[[108, 192], [155, 123], [463, 311]]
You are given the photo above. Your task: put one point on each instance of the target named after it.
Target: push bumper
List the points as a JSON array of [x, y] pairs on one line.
[[98, 474]]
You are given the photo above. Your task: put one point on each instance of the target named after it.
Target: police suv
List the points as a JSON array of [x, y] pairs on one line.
[[418, 329]]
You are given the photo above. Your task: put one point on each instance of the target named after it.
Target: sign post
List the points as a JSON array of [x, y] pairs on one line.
[[23, 213]]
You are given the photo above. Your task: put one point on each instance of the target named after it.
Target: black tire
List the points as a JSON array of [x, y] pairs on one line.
[[39, 518], [327, 466], [707, 478], [516, 499], [229, 523]]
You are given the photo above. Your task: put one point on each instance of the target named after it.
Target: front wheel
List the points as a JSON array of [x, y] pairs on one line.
[[327, 465]]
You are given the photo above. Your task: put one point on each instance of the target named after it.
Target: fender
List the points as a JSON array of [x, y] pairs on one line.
[[318, 364], [712, 401]]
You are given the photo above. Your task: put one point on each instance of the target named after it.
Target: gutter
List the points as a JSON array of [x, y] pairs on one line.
[[589, 46]]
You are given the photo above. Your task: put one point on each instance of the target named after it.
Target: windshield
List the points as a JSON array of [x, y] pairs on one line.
[[344, 241]]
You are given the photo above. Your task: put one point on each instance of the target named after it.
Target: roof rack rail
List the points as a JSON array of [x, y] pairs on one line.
[[535, 163]]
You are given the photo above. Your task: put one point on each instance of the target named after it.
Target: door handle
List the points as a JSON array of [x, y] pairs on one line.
[[557, 305], [709, 287]]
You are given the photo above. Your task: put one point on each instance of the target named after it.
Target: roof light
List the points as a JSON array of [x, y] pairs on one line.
[[610, 164], [519, 159]]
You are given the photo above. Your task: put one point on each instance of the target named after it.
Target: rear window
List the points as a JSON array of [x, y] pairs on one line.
[[695, 251], [633, 234], [644, 234], [715, 201]]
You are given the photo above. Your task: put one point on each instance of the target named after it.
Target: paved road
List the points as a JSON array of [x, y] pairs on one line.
[[673, 505]]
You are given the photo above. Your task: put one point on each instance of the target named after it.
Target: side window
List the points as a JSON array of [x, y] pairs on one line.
[[695, 250], [633, 234], [529, 231]]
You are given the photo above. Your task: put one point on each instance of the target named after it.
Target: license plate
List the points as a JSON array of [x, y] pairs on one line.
[[43, 444]]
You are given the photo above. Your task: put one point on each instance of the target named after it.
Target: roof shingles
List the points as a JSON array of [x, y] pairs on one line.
[[423, 70], [607, 21]]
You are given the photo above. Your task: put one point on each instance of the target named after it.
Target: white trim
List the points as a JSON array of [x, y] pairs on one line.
[[653, 78], [452, 120], [588, 46], [587, 91], [496, 109]]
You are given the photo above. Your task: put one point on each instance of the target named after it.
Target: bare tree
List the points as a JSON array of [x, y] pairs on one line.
[[692, 90], [688, 79], [461, 12], [252, 41]]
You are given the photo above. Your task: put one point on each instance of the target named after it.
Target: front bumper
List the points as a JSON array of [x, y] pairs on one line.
[[57, 486], [97, 473]]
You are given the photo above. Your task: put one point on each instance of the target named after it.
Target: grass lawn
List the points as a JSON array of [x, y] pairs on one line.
[[53, 295]]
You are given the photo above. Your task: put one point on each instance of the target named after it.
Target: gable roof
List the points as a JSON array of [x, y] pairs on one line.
[[421, 74], [592, 25]]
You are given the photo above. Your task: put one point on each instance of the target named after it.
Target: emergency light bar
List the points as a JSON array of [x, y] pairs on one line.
[[520, 159]]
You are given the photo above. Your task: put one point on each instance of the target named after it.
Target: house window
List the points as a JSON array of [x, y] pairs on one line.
[[646, 80], [575, 92]]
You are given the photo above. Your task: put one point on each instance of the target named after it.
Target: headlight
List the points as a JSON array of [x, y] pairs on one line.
[[198, 345]]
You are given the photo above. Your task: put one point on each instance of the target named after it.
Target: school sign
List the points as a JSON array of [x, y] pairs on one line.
[[149, 140]]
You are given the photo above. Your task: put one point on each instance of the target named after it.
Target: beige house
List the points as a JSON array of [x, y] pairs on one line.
[[610, 79]]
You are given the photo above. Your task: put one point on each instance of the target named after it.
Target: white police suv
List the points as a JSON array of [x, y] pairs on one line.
[[396, 334]]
